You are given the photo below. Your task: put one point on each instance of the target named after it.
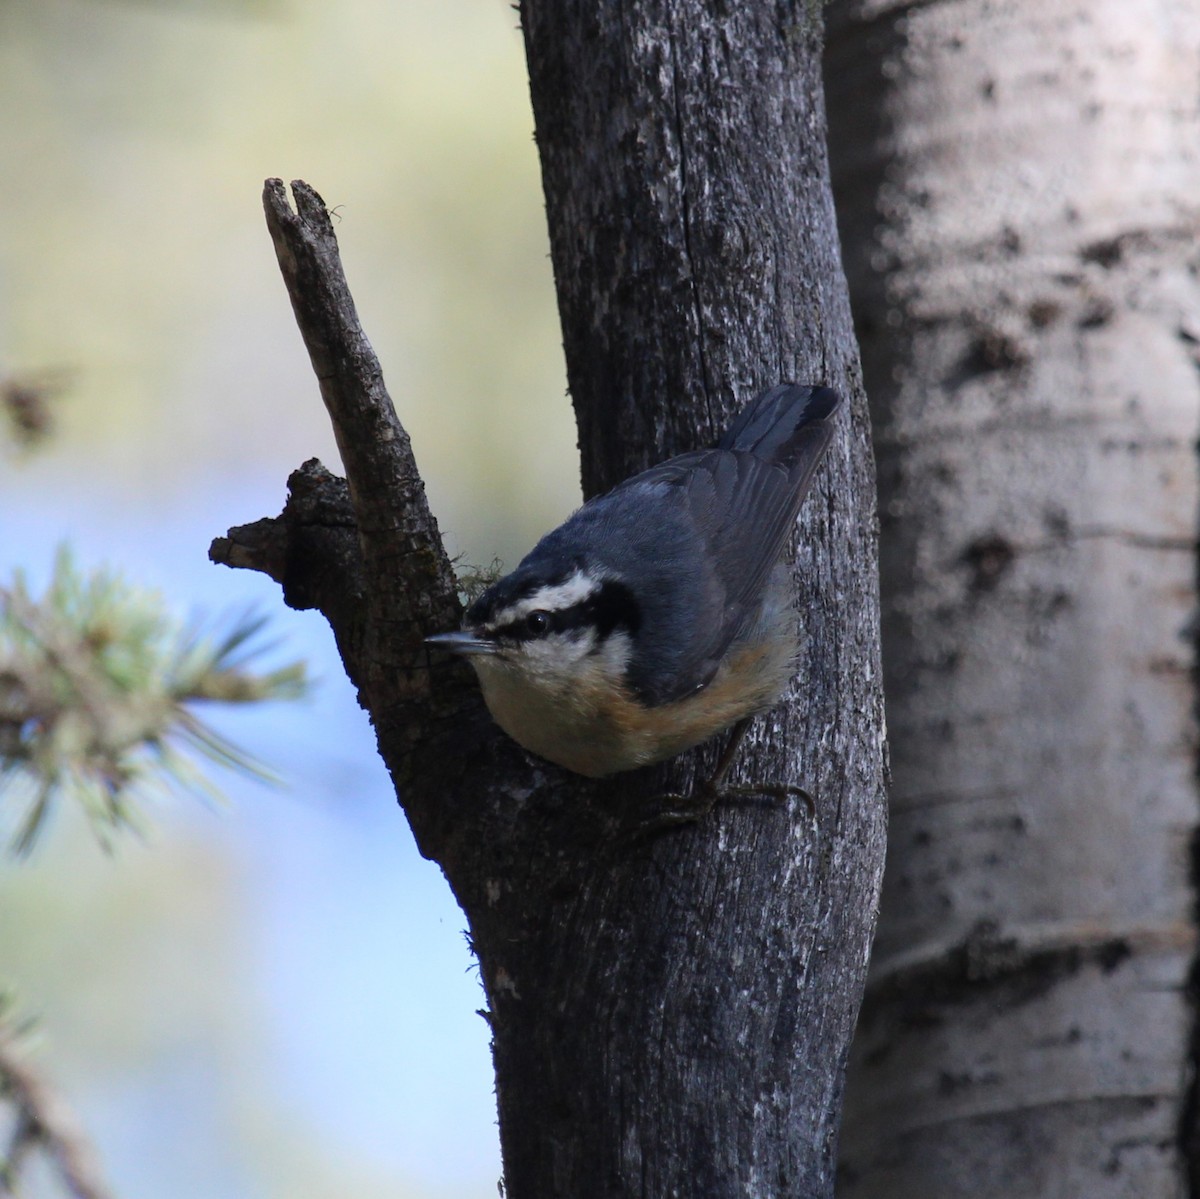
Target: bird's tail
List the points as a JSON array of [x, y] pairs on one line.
[[785, 423]]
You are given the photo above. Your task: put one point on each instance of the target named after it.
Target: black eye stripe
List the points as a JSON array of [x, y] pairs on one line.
[[611, 606], [562, 621], [614, 607], [522, 584]]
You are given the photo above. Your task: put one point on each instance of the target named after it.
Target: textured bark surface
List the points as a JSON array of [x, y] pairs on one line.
[[670, 1016], [1018, 187], [696, 259]]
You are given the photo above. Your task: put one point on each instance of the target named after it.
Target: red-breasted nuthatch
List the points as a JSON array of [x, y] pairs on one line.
[[658, 614]]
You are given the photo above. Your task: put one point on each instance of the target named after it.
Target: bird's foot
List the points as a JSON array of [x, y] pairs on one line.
[[676, 810]]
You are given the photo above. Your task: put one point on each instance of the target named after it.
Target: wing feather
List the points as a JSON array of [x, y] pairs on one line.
[[741, 501]]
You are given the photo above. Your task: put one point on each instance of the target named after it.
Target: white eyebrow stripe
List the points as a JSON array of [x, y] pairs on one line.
[[554, 598]]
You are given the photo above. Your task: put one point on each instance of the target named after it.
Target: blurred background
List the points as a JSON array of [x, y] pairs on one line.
[[274, 997]]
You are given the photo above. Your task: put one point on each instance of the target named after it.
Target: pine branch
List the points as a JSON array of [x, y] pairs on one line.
[[98, 685], [44, 1123]]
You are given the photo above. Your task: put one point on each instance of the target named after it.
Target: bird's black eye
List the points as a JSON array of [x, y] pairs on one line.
[[538, 622]]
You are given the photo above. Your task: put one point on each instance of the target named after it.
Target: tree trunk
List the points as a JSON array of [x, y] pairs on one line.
[[671, 1017], [696, 260], [1018, 190]]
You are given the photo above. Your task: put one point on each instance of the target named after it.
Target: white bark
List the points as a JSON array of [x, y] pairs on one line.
[[1019, 191]]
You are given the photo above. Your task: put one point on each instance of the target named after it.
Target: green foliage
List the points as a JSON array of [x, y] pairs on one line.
[[98, 686]]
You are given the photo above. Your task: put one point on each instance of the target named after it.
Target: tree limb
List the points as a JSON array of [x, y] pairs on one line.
[[409, 581], [366, 552]]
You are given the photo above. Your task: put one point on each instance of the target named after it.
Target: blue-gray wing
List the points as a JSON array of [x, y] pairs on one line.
[[728, 514]]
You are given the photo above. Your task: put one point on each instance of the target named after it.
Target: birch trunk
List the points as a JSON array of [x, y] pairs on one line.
[[1018, 190]]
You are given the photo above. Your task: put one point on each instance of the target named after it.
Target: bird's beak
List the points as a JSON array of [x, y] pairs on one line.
[[463, 642]]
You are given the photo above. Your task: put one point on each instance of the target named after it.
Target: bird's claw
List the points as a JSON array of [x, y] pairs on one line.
[[676, 810]]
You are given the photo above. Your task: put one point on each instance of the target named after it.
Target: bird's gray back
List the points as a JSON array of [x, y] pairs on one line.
[[695, 538]]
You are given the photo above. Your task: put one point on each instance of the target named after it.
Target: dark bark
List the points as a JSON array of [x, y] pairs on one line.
[[670, 1017]]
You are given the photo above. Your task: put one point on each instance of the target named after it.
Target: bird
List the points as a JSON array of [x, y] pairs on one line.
[[660, 613]]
